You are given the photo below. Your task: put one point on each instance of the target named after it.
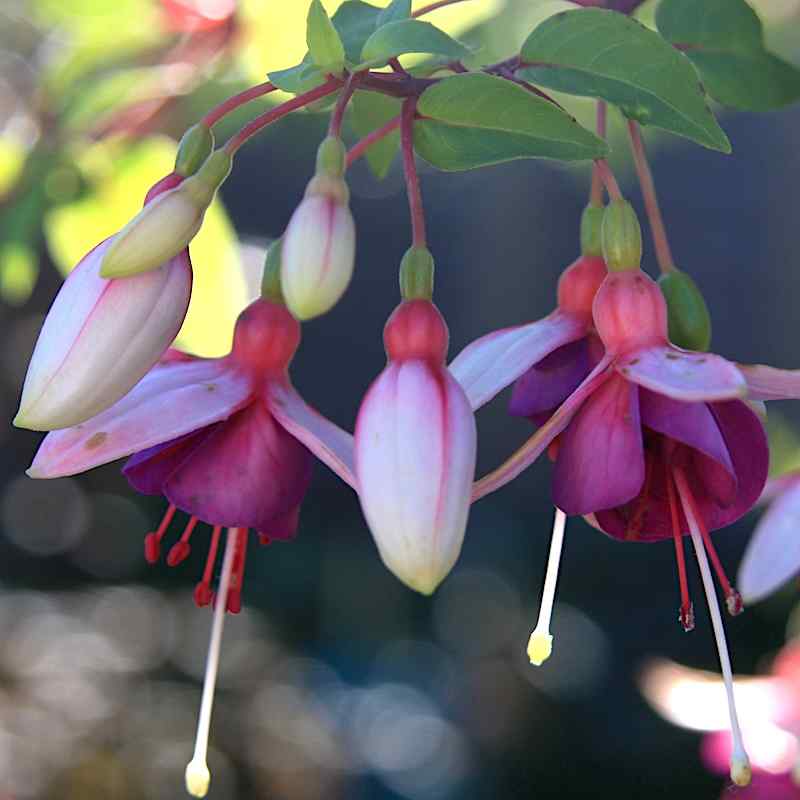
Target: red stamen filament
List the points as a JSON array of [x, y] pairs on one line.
[[152, 542], [180, 550], [202, 592], [234, 600], [686, 613]]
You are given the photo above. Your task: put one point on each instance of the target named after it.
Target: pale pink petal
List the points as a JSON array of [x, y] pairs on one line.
[[770, 383], [540, 440], [170, 401], [326, 440], [99, 339], [489, 364], [773, 553], [682, 374], [415, 447]]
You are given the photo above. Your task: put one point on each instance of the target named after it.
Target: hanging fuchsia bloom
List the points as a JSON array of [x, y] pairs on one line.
[[415, 444], [773, 554], [769, 708], [223, 440]]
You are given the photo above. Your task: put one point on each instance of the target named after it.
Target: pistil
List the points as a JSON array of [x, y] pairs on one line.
[[540, 644]]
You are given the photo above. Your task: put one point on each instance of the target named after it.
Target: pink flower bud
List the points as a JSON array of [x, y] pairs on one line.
[[415, 447], [579, 283], [318, 253], [630, 312], [99, 339]]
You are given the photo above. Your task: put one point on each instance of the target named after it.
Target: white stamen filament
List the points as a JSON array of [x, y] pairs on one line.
[[740, 763], [198, 777], [540, 644]]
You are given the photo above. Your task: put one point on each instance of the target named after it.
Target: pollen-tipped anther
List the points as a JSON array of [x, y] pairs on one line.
[[198, 778], [540, 646]]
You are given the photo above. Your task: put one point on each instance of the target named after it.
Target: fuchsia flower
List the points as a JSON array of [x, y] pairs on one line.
[[223, 440], [415, 444], [773, 553], [101, 336], [769, 708]]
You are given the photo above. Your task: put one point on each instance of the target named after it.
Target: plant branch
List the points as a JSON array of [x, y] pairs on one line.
[[607, 176], [433, 6], [216, 114], [410, 170], [360, 147], [335, 126], [596, 193]]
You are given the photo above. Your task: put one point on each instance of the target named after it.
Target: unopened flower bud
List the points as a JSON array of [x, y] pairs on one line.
[[166, 225], [271, 277], [194, 149], [591, 227], [621, 237], [416, 274], [319, 248], [331, 157], [687, 313]]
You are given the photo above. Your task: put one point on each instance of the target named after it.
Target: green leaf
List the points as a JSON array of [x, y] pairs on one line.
[[323, 40], [395, 11], [476, 119], [300, 78], [599, 53], [355, 22], [409, 36], [371, 111], [725, 41]]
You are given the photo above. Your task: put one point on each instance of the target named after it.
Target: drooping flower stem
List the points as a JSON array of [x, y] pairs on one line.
[[232, 103], [607, 177], [268, 117], [335, 126], [198, 777], [361, 146], [596, 193], [657, 229], [740, 763], [540, 644], [410, 169], [433, 6]]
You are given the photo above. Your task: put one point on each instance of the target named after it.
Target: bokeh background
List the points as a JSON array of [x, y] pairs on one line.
[[336, 681]]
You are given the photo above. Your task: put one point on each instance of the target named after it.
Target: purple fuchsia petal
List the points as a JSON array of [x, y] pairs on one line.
[[489, 364], [245, 474], [283, 527], [148, 470], [773, 553], [170, 401], [770, 383], [550, 381], [683, 375], [600, 460], [326, 440]]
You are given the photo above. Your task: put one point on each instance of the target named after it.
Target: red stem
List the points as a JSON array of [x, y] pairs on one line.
[[657, 229], [607, 176], [410, 170], [596, 193], [433, 6], [216, 114], [360, 147], [335, 127], [255, 125]]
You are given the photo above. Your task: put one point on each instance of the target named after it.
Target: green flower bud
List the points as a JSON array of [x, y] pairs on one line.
[[331, 157], [621, 237], [194, 148], [416, 274], [271, 278], [591, 226], [687, 313]]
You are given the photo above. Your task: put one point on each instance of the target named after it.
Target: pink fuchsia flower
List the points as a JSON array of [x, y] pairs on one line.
[[101, 336], [773, 553], [415, 445], [769, 708]]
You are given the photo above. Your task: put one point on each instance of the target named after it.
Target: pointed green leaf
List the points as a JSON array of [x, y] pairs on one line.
[[599, 53], [725, 41], [300, 78], [476, 119], [409, 36], [396, 10], [355, 22], [322, 38], [371, 111]]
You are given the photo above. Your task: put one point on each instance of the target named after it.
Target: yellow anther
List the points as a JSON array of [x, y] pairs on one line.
[[540, 646]]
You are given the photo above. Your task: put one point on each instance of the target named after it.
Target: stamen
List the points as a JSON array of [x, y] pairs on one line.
[[152, 542], [198, 777], [686, 613], [264, 538], [234, 601], [180, 550], [740, 763], [202, 592], [733, 600], [540, 644]]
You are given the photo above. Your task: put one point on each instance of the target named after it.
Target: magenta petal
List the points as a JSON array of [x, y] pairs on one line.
[[283, 527], [245, 474], [770, 383], [549, 382], [600, 461]]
